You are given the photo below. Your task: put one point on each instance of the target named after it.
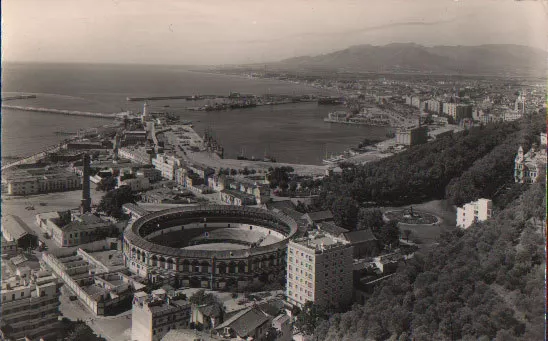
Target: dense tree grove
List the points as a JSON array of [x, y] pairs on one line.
[[111, 203], [490, 173], [423, 172], [483, 283]]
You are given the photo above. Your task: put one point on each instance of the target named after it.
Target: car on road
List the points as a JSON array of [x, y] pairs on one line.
[[73, 297]]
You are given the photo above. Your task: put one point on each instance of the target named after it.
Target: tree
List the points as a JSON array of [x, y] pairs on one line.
[[370, 218], [65, 217], [200, 297], [111, 203], [389, 234], [310, 317], [345, 212], [107, 184], [293, 186], [406, 234]]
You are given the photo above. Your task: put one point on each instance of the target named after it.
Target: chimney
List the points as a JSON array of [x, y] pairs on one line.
[[85, 206]]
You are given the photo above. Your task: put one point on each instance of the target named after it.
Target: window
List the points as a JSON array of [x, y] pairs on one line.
[[22, 294]]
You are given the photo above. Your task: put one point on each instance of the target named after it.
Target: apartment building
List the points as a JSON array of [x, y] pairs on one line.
[[319, 269], [167, 164], [474, 211], [153, 316], [30, 303], [39, 180]]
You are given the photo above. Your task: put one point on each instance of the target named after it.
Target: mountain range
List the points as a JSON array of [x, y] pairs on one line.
[[492, 59]]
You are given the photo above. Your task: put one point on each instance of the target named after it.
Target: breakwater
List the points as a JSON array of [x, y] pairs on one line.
[[9, 98], [63, 112]]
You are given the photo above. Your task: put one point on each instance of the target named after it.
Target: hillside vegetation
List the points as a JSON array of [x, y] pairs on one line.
[[471, 164], [483, 283]]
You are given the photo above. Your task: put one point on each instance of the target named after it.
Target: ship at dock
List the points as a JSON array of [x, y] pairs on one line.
[[211, 144], [330, 100]]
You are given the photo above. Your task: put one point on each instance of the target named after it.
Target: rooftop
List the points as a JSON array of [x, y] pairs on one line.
[[359, 236], [244, 323], [320, 241], [320, 216], [15, 226], [332, 228]]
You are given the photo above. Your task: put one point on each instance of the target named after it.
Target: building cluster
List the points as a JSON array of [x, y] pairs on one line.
[[528, 167], [97, 277], [27, 180], [168, 315], [30, 300]]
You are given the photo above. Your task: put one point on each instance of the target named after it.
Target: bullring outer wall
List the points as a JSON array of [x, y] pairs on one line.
[[206, 268]]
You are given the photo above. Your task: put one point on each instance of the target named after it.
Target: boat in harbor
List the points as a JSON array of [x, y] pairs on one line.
[[362, 118]]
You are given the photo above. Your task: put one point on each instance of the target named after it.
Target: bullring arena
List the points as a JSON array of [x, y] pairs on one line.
[[208, 246]]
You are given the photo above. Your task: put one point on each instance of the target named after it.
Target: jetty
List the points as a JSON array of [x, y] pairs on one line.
[[9, 98], [64, 112]]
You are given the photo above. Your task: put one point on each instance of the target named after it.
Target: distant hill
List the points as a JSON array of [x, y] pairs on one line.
[[503, 60]]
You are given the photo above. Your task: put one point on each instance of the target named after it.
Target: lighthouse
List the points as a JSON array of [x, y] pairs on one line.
[[144, 116]]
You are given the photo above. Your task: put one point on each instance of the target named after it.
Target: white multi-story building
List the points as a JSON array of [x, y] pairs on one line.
[[137, 184], [475, 211], [512, 115], [432, 105], [450, 109], [153, 316], [40, 180], [319, 269], [30, 304], [167, 164]]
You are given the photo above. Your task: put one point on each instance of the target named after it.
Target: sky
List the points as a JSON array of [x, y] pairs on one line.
[[253, 31]]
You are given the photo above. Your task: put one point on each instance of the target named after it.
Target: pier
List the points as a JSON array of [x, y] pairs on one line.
[[64, 112], [9, 98]]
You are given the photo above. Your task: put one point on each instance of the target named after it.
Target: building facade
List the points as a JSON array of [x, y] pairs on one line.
[[30, 304], [167, 165], [412, 137], [82, 229], [473, 212], [528, 166], [319, 270], [153, 316], [26, 182]]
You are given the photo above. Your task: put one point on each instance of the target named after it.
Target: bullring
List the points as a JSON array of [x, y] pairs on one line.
[[211, 246]]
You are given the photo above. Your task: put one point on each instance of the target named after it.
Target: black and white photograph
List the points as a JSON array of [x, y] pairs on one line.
[[273, 170]]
